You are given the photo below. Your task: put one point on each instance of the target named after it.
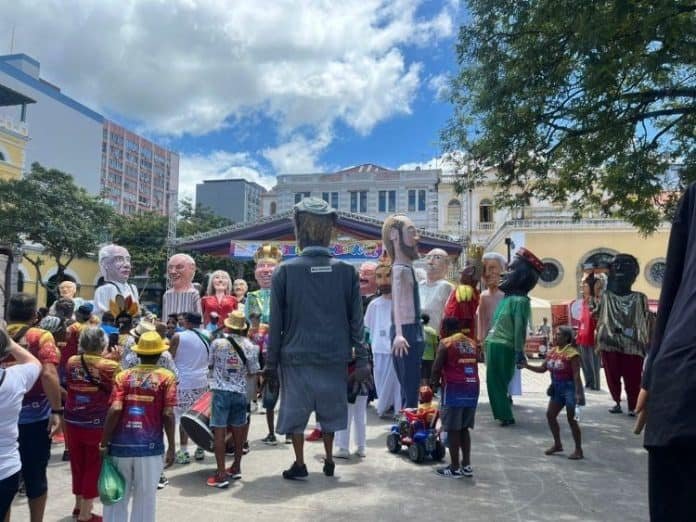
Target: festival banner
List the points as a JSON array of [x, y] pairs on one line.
[[347, 250]]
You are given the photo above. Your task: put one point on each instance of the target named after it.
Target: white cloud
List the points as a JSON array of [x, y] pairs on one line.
[[298, 153], [447, 162], [192, 66], [194, 168], [439, 84]]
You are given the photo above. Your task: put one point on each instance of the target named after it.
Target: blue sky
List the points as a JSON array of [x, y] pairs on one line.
[[261, 89]]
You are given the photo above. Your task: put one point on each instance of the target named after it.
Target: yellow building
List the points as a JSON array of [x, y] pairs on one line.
[[564, 245], [84, 271], [13, 132]]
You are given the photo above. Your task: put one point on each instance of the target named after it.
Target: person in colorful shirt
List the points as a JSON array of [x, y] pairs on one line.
[[563, 361], [89, 380], [142, 407], [456, 368], [506, 338], [232, 359], [41, 411], [432, 339]]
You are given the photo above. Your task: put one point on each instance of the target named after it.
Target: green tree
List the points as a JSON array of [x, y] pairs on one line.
[[46, 207], [591, 104]]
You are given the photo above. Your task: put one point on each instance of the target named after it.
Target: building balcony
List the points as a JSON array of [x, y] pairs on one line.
[[486, 227], [15, 126]]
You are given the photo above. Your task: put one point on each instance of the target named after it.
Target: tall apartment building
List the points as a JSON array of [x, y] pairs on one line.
[[71, 137], [367, 189], [238, 200]]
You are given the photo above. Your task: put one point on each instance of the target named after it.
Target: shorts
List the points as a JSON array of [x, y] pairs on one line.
[[426, 369], [564, 393], [457, 418], [228, 409], [8, 489], [34, 452], [185, 399], [322, 389]]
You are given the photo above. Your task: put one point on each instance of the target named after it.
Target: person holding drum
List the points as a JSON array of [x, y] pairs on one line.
[[232, 359]]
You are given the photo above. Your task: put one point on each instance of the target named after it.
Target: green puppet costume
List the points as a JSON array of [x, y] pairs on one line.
[[506, 339], [504, 342]]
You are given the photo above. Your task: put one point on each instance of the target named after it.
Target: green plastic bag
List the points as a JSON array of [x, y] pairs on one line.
[[111, 483]]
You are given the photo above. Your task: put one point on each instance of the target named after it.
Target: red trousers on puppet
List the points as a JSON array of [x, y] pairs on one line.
[[85, 462], [630, 368]]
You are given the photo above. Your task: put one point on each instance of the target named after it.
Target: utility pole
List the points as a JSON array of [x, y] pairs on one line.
[[171, 226]]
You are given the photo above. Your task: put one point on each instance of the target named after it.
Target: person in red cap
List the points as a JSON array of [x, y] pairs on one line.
[[506, 338]]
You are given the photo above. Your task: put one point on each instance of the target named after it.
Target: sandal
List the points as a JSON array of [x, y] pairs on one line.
[[553, 449], [576, 456]]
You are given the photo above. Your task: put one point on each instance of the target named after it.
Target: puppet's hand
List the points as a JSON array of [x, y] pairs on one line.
[[520, 359], [400, 346], [642, 411]]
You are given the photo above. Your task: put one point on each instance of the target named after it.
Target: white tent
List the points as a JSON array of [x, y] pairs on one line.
[[540, 308]]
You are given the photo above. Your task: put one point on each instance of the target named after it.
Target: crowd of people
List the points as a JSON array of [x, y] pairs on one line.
[[320, 336]]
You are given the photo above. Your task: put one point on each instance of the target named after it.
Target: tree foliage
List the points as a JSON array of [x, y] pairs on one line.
[[46, 207], [586, 104]]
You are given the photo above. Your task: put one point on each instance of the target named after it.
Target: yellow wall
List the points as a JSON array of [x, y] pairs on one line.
[[85, 271], [12, 147], [571, 248]]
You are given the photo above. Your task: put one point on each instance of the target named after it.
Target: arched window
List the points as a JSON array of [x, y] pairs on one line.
[[273, 208], [454, 212], [20, 281], [486, 211], [2, 156]]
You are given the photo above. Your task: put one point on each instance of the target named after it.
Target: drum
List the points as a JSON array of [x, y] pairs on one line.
[[196, 422]]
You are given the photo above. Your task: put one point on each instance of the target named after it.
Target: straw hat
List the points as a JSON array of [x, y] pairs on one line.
[[150, 343], [143, 327], [236, 321]]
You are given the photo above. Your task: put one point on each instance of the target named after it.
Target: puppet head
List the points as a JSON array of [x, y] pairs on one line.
[[523, 273], [493, 267], [180, 270], [623, 271], [240, 288], [219, 281], [400, 237], [267, 258], [383, 274], [115, 263], [314, 223], [67, 290], [437, 263], [368, 283]]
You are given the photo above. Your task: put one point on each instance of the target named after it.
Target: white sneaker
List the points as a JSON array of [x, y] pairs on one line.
[[361, 453], [467, 471], [342, 453]]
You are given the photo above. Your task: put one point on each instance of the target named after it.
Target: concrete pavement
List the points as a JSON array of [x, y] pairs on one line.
[[513, 480]]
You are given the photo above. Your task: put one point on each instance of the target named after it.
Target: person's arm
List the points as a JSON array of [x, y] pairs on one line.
[[579, 389], [28, 366], [400, 293], [19, 354], [168, 420], [277, 328], [354, 307], [110, 423], [520, 318], [536, 369], [174, 345], [50, 357], [438, 364]]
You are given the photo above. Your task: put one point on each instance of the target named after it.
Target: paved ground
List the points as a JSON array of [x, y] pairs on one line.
[[513, 479]]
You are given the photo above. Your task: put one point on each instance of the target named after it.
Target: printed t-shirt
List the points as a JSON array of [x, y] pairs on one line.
[[460, 372], [87, 403], [72, 341], [378, 321], [558, 363], [18, 380], [227, 368], [41, 345], [142, 393]]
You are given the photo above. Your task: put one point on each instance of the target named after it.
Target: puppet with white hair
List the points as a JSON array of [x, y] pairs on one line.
[[115, 266], [182, 297]]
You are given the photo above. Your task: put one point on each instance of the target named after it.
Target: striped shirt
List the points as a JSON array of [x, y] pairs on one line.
[[180, 302]]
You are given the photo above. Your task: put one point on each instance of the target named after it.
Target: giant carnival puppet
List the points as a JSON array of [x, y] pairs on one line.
[[267, 258], [506, 339], [622, 331], [400, 238], [219, 302], [182, 297], [316, 328], [368, 282], [666, 400], [435, 289], [115, 266]]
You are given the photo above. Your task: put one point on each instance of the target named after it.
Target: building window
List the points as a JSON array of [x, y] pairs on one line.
[[386, 200], [655, 272], [300, 195], [421, 200], [358, 201], [273, 208], [454, 212], [331, 198], [486, 211], [416, 200], [552, 273], [20, 281]]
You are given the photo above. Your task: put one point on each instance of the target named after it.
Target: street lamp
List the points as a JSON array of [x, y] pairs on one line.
[[510, 245]]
